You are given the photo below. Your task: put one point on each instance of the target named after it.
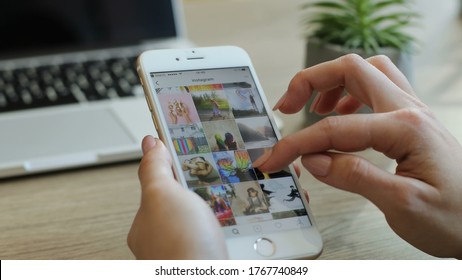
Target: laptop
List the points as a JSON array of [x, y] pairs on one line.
[[69, 92]]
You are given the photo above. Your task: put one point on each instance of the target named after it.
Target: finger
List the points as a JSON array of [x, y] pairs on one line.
[[297, 169], [325, 102], [348, 105], [355, 174], [148, 143], [156, 165], [360, 78], [347, 133], [387, 67]]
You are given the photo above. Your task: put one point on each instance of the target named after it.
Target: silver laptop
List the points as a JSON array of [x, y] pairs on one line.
[[69, 92]]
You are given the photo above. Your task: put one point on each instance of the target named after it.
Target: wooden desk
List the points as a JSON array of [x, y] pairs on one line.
[[86, 213]]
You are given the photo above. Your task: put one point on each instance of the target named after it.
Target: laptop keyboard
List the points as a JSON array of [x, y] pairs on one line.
[[67, 83]]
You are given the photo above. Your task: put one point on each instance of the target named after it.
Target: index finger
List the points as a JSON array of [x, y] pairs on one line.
[[361, 79], [349, 133]]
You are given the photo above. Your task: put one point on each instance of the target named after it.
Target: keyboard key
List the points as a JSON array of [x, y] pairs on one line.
[[26, 97], [3, 101], [94, 80], [51, 94]]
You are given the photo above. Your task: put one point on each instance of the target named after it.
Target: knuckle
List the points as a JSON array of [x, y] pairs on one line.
[[414, 117], [351, 60], [330, 124], [329, 127], [353, 64], [406, 199], [380, 60], [357, 171]]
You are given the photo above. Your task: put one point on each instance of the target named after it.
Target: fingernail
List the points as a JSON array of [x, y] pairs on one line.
[[149, 142], [280, 102], [261, 160], [317, 164], [315, 102]]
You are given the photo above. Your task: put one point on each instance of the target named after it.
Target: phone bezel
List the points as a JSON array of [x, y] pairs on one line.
[[288, 243]]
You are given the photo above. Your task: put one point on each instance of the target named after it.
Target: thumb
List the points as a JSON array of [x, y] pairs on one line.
[[355, 174], [155, 168]]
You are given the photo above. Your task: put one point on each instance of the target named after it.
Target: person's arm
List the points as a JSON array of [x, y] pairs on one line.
[[422, 201], [172, 222]]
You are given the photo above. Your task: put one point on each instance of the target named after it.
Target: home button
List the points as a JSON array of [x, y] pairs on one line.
[[264, 247]]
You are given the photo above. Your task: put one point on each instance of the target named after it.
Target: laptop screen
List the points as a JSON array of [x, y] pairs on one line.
[[44, 26]]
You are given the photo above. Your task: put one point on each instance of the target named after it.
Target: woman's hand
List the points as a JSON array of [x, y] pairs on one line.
[[422, 201], [172, 222]]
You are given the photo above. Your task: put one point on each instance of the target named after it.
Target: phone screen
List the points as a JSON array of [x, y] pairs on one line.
[[218, 126]]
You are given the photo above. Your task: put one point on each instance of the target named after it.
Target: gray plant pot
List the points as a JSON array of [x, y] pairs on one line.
[[316, 53]]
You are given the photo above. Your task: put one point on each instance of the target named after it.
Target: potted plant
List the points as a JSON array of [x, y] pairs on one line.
[[365, 27]]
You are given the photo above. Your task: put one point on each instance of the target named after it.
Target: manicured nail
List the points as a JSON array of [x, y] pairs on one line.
[[280, 102], [317, 164], [315, 102], [261, 160], [149, 142]]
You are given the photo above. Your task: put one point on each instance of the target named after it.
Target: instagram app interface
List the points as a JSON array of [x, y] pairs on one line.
[[218, 126]]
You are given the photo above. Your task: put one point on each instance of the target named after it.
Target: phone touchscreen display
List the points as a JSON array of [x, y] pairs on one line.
[[218, 126]]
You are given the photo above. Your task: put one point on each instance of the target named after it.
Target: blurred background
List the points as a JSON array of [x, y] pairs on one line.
[[273, 33], [86, 213]]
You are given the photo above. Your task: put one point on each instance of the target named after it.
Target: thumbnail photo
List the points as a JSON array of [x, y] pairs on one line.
[[189, 139], [199, 170], [248, 203], [178, 107], [223, 136], [256, 132], [244, 100], [255, 154], [281, 194], [234, 166], [218, 199], [211, 103]]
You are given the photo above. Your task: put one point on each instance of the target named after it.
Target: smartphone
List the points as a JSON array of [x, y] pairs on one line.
[[210, 111]]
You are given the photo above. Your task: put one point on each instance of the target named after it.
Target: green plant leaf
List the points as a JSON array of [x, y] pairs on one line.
[[366, 24], [404, 18], [327, 5], [381, 5]]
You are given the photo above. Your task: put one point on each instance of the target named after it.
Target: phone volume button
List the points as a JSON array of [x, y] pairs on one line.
[[149, 103], [155, 124]]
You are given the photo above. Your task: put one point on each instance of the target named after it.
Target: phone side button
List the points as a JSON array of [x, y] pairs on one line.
[[149, 103], [264, 247], [155, 124]]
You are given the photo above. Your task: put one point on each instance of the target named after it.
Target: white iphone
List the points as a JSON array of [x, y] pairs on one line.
[[210, 111]]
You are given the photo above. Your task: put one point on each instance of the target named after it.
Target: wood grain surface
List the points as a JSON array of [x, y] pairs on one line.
[[87, 213]]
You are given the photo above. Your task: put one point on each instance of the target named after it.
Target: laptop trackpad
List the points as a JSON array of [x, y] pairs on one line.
[[54, 134]]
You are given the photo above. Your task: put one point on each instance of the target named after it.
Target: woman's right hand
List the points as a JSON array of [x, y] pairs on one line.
[[422, 200]]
